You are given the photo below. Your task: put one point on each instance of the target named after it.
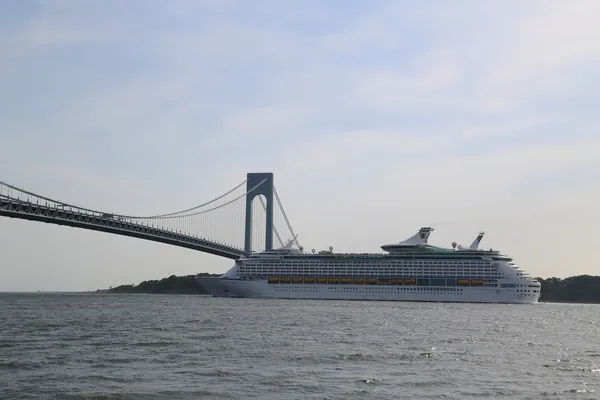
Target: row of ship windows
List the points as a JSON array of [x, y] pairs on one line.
[[371, 264], [467, 276], [372, 290], [364, 270], [388, 289], [370, 261], [381, 281], [369, 269], [377, 269], [258, 271], [329, 266]]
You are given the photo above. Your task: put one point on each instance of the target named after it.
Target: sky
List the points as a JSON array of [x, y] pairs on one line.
[[376, 117]]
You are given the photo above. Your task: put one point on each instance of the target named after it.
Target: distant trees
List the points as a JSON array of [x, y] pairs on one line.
[[171, 285], [575, 289]]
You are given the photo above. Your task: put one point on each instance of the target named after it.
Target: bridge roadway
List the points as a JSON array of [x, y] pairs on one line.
[[14, 208]]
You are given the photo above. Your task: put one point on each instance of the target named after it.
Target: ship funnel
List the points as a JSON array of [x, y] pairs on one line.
[[475, 244], [418, 238], [424, 233]]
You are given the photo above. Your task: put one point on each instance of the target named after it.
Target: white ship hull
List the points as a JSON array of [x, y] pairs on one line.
[[224, 287]]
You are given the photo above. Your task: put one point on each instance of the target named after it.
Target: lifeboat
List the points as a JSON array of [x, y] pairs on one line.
[[462, 282], [285, 279], [359, 281], [321, 280], [384, 281], [410, 281], [476, 282], [396, 281], [371, 281], [273, 279], [346, 281], [333, 281], [309, 280], [297, 280]]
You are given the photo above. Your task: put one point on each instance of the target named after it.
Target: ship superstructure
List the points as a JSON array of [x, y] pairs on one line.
[[411, 270]]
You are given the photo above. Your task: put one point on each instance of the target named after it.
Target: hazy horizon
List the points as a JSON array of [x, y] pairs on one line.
[[376, 118]]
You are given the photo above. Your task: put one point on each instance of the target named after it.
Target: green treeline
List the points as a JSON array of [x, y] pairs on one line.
[[576, 289], [171, 285]]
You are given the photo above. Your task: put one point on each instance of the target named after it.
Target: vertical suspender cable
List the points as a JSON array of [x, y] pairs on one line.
[[285, 217]]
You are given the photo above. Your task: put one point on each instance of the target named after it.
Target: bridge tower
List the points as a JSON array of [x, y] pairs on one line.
[[265, 189]]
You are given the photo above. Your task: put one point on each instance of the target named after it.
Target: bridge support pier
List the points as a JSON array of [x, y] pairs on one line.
[[265, 189]]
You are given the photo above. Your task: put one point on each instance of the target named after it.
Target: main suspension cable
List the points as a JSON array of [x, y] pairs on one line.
[[217, 207], [62, 204]]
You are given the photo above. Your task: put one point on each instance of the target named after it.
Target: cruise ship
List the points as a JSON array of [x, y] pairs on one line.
[[411, 270]]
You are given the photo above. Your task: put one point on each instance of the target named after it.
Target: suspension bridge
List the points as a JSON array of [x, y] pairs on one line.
[[234, 224]]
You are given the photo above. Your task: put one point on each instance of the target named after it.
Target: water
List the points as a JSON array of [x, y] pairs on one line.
[[99, 346]]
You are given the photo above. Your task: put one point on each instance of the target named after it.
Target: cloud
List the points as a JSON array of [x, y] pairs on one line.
[[429, 77], [375, 117], [501, 191], [549, 49]]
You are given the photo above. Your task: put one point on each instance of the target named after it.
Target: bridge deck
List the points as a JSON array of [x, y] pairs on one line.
[[14, 208]]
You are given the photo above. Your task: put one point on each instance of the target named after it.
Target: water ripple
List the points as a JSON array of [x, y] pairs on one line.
[[196, 347]]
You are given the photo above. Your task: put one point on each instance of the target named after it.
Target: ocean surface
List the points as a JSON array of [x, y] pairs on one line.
[[103, 346]]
